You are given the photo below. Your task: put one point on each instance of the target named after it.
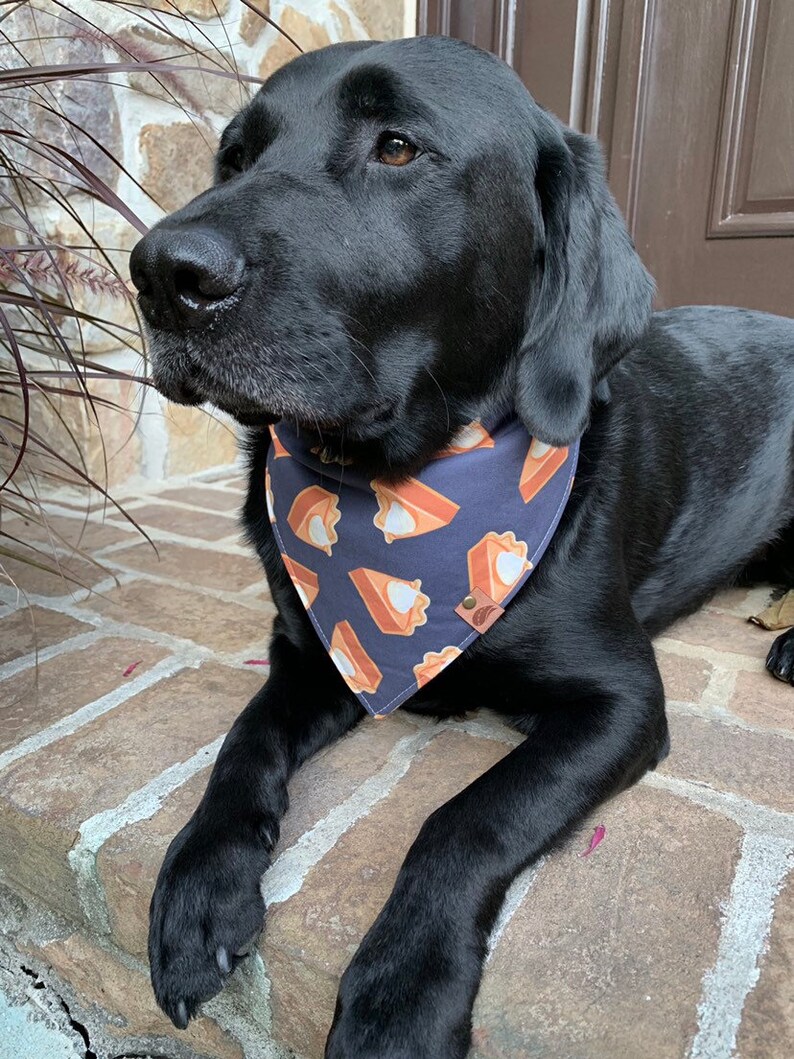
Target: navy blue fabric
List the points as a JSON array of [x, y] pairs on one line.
[[479, 516]]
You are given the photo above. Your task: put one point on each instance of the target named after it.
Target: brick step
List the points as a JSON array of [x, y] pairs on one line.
[[678, 926]]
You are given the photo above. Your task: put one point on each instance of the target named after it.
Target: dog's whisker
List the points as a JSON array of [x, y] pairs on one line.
[[441, 391]]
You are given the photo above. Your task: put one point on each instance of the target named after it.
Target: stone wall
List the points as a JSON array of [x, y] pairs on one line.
[[163, 130]]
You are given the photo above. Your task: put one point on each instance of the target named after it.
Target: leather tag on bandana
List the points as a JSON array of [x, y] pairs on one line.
[[479, 610]]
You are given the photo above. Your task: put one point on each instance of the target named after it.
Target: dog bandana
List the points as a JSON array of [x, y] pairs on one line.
[[399, 579]]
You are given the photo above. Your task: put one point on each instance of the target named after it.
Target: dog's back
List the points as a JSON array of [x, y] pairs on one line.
[[719, 382]]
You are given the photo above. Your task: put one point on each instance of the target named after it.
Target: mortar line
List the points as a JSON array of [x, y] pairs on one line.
[[723, 659], [720, 687], [167, 667], [756, 599], [286, 875], [251, 1025], [516, 892], [142, 487], [115, 520], [719, 715], [746, 813], [67, 604], [764, 863], [497, 730], [228, 545], [56, 509], [139, 805], [74, 643]]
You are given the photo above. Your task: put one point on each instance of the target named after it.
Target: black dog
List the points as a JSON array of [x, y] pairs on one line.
[[400, 241]]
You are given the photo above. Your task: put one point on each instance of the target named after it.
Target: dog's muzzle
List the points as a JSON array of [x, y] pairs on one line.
[[186, 277]]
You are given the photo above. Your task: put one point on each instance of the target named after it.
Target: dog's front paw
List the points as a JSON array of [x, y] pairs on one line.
[[206, 913], [392, 1008], [780, 660]]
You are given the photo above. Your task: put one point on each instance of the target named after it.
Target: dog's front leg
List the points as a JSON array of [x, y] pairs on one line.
[[409, 991], [207, 907]]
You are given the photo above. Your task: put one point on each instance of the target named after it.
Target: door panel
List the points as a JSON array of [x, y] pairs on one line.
[[703, 150], [694, 103], [520, 33], [754, 189]]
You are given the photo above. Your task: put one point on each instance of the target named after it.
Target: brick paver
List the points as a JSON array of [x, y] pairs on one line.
[[768, 1025], [85, 534], [46, 795], [763, 703], [202, 497], [221, 569], [110, 986], [202, 525], [312, 936], [660, 944], [30, 629], [183, 613], [41, 694], [606, 956]]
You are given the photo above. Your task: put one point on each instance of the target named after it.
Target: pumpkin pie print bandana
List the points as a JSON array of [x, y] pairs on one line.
[[398, 579]]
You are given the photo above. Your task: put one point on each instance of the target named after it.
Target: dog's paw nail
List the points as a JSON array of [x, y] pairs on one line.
[[181, 1019], [222, 956], [244, 950]]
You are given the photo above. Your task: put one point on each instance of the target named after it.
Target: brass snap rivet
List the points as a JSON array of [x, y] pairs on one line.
[[469, 602]]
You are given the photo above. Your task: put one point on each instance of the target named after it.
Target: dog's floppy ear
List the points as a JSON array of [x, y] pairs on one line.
[[592, 296]]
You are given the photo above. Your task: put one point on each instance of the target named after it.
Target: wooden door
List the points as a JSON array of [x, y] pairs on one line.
[[694, 103]]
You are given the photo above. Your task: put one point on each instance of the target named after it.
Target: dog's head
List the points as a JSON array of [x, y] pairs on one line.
[[399, 240]]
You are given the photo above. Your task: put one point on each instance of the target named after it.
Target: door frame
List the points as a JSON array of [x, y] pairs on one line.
[[608, 43]]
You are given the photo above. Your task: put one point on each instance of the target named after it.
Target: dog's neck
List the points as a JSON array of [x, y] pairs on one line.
[[405, 447]]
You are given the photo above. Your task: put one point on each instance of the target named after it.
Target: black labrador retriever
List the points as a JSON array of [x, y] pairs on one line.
[[400, 241]]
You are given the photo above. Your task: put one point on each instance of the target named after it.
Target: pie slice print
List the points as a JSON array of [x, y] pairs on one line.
[[432, 664], [278, 448], [397, 606], [472, 436], [496, 563], [271, 512], [306, 582], [540, 466], [410, 509], [358, 670], [312, 517]]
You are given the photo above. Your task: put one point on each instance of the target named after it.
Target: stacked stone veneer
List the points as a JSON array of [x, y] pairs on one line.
[[163, 129]]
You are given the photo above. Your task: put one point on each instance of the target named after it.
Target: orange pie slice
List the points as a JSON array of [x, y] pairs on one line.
[[312, 517], [397, 606], [410, 509], [472, 436], [271, 514], [540, 466], [278, 448], [306, 582], [495, 564], [432, 664], [358, 670]]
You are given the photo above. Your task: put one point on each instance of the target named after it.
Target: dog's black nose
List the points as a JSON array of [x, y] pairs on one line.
[[184, 276]]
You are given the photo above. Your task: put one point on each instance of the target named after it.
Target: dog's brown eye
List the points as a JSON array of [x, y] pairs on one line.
[[394, 150]]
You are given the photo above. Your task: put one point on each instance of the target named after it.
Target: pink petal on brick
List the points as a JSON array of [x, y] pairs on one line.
[[131, 668], [256, 662], [598, 836]]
